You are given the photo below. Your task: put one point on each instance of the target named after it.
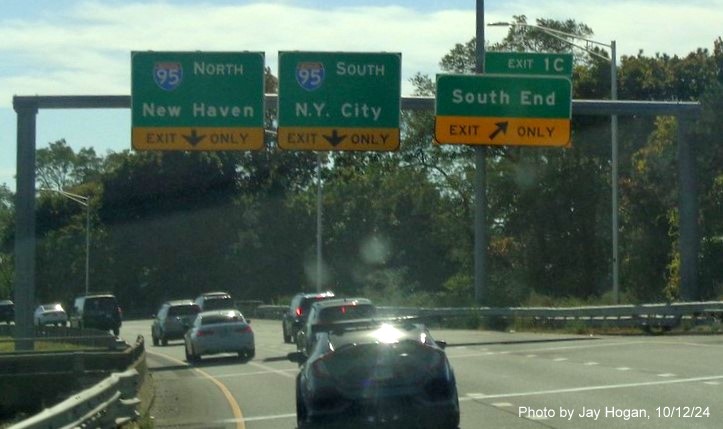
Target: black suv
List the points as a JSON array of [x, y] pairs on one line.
[[327, 312], [7, 311], [295, 316], [98, 311], [215, 301]]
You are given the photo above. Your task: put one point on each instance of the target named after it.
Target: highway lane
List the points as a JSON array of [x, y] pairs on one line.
[[505, 380]]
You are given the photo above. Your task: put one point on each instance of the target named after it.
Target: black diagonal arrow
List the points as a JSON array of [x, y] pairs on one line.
[[501, 128], [194, 138], [335, 139]]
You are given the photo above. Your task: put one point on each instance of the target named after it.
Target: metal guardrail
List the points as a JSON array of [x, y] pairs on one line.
[[644, 315], [81, 338], [108, 404]]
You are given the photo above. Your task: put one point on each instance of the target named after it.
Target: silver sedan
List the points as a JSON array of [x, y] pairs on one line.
[[50, 314], [219, 331]]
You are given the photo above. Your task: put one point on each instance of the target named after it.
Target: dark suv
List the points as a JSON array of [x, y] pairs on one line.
[[172, 320], [215, 301], [325, 313], [295, 316], [7, 311], [98, 311]]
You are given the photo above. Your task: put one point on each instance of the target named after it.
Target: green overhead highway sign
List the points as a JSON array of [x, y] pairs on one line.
[[503, 110], [339, 101], [535, 63], [197, 100]]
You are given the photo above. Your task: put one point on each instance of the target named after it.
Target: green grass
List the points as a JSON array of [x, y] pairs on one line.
[[7, 345]]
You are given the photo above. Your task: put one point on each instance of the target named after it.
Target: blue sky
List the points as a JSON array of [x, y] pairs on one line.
[[82, 47]]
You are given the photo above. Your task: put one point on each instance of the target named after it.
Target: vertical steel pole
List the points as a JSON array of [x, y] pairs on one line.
[[480, 214], [87, 246], [688, 214], [614, 181], [25, 225], [319, 224]]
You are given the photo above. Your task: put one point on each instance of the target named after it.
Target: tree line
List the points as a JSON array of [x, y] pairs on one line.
[[397, 227]]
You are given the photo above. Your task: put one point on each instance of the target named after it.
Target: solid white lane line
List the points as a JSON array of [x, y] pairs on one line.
[[262, 418], [589, 388], [273, 370]]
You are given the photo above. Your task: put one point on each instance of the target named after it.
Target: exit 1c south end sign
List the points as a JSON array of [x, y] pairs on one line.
[[205, 101], [503, 110]]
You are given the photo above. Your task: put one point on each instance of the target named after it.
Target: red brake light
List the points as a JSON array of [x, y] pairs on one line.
[[244, 329], [204, 333], [299, 311]]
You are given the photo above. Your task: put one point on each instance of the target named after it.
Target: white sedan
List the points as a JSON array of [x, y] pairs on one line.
[[219, 331], [50, 314]]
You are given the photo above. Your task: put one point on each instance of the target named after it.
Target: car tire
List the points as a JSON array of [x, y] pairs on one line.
[[164, 341], [301, 413], [116, 331], [287, 337], [155, 340], [191, 357]]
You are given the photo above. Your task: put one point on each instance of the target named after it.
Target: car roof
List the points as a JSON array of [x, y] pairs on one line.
[[218, 312], [338, 302], [176, 302], [327, 294], [98, 295], [215, 294], [374, 331], [51, 304]]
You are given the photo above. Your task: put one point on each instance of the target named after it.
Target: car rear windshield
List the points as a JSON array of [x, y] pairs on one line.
[[404, 362], [306, 302], [100, 304], [216, 319], [218, 303], [183, 310], [347, 312]]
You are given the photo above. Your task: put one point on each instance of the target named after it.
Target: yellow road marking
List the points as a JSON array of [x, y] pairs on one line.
[[235, 408]]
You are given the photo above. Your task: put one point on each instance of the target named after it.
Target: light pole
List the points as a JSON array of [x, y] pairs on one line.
[[82, 200], [565, 37]]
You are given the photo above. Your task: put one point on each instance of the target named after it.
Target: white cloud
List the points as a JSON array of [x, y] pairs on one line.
[[87, 50]]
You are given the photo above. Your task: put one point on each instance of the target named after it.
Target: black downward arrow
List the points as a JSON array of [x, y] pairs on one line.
[[335, 139], [194, 138], [501, 128]]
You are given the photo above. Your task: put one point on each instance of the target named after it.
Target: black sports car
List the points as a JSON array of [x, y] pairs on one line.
[[376, 373]]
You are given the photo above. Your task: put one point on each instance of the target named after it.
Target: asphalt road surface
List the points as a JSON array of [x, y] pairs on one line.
[[505, 380]]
